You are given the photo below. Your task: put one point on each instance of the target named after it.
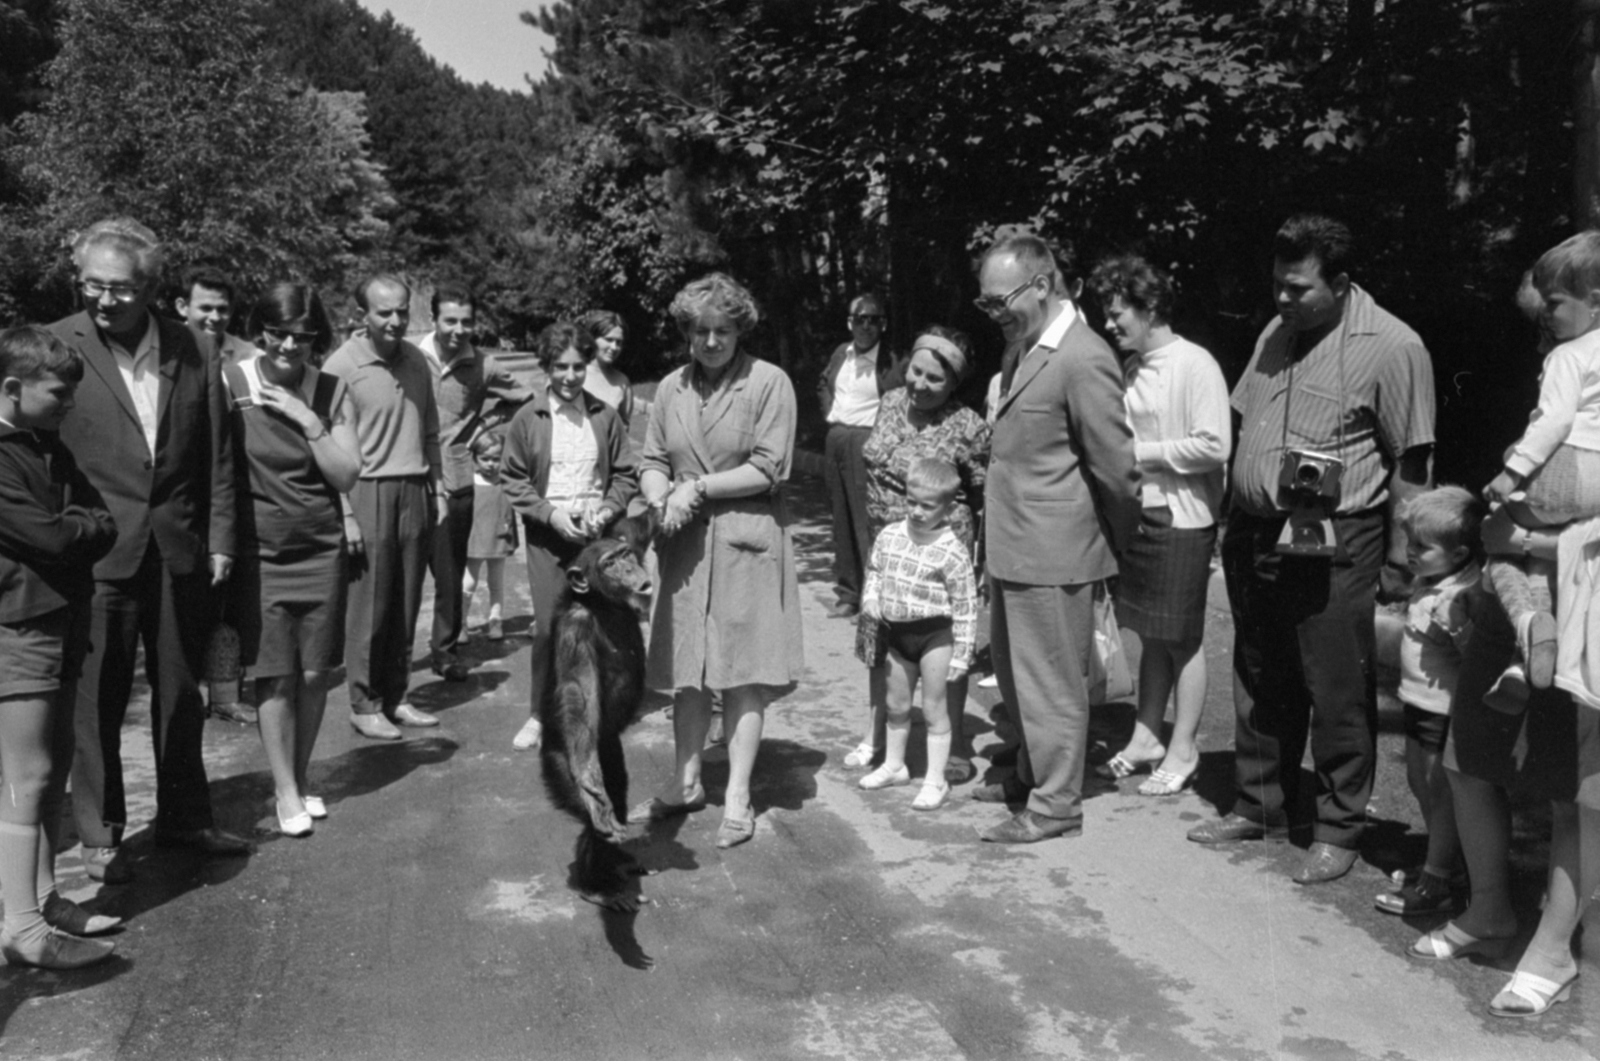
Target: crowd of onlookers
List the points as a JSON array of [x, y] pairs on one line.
[[165, 479], [1099, 472]]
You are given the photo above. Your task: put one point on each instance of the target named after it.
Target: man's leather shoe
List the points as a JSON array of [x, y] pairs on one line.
[[1324, 863], [208, 841], [407, 715], [1235, 827], [1008, 791], [373, 726], [241, 713], [106, 864], [451, 670], [1029, 828]]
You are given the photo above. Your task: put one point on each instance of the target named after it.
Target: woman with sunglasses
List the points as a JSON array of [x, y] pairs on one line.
[[295, 452]]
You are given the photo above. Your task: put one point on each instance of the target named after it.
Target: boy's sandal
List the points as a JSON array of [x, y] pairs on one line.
[[861, 755], [1530, 995], [1430, 894], [934, 792], [1166, 783], [959, 770]]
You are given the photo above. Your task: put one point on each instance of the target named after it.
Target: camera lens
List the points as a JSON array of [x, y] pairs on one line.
[[1308, 474]]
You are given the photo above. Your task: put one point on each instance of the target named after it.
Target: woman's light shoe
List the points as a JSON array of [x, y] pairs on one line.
[[1448, 942], [315, 807], [295, 824], [529, 736], [884, 777], [1530, 995], [861, 756], [934, 792]]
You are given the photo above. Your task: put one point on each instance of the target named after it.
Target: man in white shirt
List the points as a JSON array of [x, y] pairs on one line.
[[858, 374]]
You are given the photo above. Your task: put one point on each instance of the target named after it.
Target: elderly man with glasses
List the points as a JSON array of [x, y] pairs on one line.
[[152, 435], [1061, 502], [859, 373]]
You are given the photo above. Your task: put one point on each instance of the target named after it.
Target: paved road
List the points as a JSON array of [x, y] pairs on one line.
[[430, 916]]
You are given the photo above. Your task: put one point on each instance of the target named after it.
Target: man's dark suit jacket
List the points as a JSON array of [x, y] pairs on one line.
[[183, 496]]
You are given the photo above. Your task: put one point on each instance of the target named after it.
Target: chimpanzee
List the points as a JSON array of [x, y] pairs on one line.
[[592, 693]]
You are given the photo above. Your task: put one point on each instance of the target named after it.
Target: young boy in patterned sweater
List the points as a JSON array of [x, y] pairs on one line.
[[921, 591]]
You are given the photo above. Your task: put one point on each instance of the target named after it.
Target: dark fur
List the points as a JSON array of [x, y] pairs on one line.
[[592, 694]]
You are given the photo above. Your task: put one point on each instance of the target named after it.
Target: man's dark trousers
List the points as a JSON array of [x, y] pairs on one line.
[[171, 615], [845, 472], [448, 563], [1303, 665]]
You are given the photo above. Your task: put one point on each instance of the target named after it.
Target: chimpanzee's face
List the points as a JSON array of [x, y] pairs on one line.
[[613, 569]]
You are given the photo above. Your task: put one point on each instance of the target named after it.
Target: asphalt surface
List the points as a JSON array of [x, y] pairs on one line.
[[430, 916]]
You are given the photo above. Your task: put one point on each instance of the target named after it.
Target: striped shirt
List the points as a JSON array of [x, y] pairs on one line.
[[1384, 402], [907, 581]]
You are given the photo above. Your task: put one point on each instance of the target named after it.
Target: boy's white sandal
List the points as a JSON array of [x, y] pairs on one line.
[[935, 790], [884, 777]]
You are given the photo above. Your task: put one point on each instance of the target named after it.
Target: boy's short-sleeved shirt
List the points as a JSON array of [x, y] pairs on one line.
[[1438, 624]]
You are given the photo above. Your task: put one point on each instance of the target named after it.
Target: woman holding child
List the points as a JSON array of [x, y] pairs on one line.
[[1177, 405], [717, 453], [295, 452], [1547, 737], [53, 527], [919, 421]]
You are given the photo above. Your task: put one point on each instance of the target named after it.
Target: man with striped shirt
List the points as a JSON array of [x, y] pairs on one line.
[[1334, 374]]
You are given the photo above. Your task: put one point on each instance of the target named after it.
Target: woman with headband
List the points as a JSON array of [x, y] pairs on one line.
[[923, 420]]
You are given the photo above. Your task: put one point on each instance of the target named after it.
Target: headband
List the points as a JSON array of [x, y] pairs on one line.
[[938, 344]]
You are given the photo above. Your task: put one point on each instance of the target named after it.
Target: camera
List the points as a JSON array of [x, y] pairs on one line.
[[1310, 481], [1306, 472]]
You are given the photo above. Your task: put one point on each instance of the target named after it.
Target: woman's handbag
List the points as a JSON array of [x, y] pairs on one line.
[[1110, 678]]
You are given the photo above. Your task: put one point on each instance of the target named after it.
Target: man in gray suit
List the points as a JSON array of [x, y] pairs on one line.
[[1060, 503]]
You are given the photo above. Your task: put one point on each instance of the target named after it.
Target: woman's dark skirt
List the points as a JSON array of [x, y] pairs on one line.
[[1161, 594]]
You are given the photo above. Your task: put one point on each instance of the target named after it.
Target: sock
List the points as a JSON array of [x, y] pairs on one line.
[[19, 873], [896, 736], [938, 756]]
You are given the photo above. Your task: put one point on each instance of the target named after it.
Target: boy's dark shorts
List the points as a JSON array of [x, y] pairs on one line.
[[39, 654], [1428, 728], [912, 639]]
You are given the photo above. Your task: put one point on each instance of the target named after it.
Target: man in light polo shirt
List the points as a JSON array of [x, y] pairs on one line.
[[858, 374], [1335, 374], [474, 392], [390, 515]]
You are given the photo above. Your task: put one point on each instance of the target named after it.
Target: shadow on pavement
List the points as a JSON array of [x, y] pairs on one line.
[[21, 986]]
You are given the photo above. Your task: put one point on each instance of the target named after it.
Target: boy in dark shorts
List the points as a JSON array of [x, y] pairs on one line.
[[53, 527], [920, 588]]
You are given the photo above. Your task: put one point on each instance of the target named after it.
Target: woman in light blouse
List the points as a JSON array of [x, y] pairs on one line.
[[1177, 405], [717, 453]]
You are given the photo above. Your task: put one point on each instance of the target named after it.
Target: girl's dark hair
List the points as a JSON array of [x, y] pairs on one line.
[[599, 321], [285, 304], [1142, 287], [559, 337]]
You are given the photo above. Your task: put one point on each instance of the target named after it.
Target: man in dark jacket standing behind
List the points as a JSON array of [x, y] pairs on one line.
[[150, 432]]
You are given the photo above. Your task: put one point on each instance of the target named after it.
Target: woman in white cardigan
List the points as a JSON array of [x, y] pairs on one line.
[[1177, 405]]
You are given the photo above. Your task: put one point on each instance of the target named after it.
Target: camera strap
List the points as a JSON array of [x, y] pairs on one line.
[[1288, 391]]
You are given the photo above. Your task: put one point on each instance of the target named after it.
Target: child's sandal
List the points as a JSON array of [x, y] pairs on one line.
[[862, 755], [935, 790]]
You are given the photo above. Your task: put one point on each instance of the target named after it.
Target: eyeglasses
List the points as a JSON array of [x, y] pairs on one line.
[[866, 318], [121, 292], [992, 304], [283, 335]]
